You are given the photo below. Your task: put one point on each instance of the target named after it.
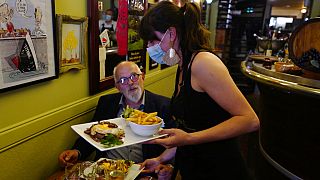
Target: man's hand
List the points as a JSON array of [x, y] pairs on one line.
[[68, 157], [164, 171]]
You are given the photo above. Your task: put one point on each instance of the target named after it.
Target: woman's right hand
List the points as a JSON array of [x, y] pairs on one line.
[[174, 138], [68, 157], [150, 165]]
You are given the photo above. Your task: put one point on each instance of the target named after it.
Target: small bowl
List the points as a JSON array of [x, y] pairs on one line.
[[145, 130], [276, 44]]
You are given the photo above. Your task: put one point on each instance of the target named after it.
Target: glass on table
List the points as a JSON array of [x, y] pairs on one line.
[[114, 175], [88, 170], [72, 172]]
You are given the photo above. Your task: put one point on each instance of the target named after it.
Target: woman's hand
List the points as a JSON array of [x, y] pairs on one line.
[[68, 157], [150, 165], [176, 137]]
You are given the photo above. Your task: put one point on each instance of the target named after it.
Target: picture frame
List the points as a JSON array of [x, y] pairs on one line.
[[27, 48], [72, 33]]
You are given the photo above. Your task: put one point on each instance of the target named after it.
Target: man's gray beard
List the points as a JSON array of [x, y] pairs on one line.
[[135, 97]]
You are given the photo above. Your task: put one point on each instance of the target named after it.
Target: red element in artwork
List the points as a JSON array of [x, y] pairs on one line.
[[122, 27], [10, 27], [104, 40], [16, 61]]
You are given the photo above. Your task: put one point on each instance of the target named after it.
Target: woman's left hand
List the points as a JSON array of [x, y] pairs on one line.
[[176, 137]]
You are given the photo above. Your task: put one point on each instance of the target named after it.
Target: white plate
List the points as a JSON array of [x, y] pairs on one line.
[[129, 139]]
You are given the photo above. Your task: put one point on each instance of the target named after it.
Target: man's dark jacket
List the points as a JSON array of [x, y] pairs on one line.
[[108, 108]]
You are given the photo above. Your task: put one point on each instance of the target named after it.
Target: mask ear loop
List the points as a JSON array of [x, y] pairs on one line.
[[163, 36]]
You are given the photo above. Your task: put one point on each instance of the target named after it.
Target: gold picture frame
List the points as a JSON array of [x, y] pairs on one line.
[[72, 33]]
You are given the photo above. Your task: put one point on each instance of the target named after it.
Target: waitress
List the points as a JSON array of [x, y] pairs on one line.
[[107, 22]]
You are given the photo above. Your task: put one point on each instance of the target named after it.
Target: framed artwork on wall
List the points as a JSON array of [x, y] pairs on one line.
[[72, 35], [27, 43]]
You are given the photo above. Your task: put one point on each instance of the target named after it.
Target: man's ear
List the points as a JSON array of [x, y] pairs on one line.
[[143, 75], [117, 86]]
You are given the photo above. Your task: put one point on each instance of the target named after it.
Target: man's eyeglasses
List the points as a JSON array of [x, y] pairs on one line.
[[125, 80]]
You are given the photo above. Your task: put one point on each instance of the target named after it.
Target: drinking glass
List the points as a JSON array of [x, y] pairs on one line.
[[88, 170], [116, 175], [72, 172]]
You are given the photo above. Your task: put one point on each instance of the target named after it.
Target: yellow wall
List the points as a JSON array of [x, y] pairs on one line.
[[213, 21], [315, 12], [284, 11], [35, 120]]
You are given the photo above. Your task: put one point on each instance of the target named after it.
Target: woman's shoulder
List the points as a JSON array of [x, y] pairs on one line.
[[206, 60], [205, 54], [207, 71]]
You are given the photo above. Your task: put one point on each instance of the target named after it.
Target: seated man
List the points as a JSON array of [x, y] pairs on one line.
[[129, 81]]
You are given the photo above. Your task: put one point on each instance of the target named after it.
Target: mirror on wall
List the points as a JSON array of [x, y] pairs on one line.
[[103, 42], [108, 15]]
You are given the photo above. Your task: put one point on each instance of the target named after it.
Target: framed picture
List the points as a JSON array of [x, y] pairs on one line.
[[27, 43], [72, 35]]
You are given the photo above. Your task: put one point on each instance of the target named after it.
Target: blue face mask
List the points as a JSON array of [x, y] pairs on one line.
[[156, 53], [106, 17]]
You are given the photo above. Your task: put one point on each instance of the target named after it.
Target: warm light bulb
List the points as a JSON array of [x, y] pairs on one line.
[[303, 10]]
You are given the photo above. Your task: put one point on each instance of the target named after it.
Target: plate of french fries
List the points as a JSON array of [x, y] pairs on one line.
[[142, 123]]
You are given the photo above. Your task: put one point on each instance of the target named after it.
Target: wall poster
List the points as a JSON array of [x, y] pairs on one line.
[[27, 44]]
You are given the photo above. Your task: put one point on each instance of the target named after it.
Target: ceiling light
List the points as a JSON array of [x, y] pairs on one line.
[[303, 10]]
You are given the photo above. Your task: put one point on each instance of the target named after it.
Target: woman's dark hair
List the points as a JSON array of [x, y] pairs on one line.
[[192, 34]]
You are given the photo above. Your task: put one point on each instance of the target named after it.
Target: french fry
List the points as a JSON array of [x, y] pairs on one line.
[[150, 115], [143, 118], [135, 115], [138, 111], [132, 119]]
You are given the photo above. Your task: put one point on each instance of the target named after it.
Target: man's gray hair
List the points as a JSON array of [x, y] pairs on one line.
[[116, 67]]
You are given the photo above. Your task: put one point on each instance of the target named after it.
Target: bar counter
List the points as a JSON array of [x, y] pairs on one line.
[[289, 111]]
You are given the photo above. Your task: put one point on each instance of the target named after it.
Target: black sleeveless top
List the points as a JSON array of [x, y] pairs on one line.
[[196, 111]]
